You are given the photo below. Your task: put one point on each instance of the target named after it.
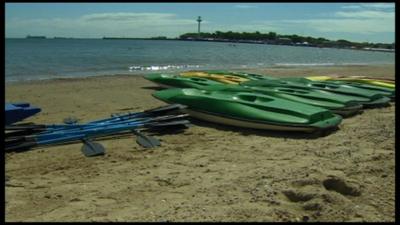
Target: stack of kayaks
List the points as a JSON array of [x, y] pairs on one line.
[[342, 105], [381, 82], [344, 83], [266, 102], [16, 112], [343, 86], [368, 98]]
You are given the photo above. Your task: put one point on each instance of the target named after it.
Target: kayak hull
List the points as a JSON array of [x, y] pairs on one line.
[[221, 119], [348, 111], [15, 112]]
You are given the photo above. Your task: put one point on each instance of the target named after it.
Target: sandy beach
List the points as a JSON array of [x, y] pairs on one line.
[[208, 173]]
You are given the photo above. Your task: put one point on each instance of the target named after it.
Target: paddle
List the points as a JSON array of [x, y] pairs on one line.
[[20, 133], [163, 110], [54, 134], [71, 121], [146, 141], [90, 148], [68, 136], [56, 128]]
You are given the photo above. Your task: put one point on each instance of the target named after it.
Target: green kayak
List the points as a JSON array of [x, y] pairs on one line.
[[342, 105], [251, 110], [388, 92], [367, 98], [249, 76], [171, 80]]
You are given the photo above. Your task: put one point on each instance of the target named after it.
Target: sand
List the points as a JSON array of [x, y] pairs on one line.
[[208, 173]]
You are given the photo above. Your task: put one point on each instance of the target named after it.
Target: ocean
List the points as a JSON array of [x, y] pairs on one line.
[[37, 59]]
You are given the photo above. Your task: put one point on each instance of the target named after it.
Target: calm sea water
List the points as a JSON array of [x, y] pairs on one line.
[[34, 59]]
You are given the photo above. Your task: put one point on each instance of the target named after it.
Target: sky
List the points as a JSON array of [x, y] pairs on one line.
[[360, 22]]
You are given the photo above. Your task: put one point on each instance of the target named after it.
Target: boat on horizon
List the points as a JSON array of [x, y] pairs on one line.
[[35, 37]]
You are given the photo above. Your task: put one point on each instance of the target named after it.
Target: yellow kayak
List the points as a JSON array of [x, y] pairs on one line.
[[226, 79], [359, 79]]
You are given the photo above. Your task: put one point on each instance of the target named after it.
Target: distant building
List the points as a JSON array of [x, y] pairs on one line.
[[198, 21]]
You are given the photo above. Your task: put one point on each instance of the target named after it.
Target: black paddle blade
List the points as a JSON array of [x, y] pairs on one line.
[[146, 141], [90, 148]]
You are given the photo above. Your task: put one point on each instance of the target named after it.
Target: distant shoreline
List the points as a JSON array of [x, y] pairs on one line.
[[246, 42]]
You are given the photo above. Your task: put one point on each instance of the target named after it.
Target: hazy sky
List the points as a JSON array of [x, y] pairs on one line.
[[372, 22]]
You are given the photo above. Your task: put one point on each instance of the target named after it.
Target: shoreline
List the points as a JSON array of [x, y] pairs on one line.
[[261, 70]]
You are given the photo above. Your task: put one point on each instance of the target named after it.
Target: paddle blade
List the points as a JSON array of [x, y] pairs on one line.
[[90, 149], [146, 141], [70, 120], [149, 142]]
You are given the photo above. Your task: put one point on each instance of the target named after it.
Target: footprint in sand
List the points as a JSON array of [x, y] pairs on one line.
[[298, 196], [314, 193], [341, 186]]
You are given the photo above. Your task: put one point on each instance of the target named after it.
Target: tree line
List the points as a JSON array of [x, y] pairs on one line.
[[274, 38]]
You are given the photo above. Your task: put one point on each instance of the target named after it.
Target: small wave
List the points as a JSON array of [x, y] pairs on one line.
[[304, 64], [161, 67], [320, 64], [354, 64]]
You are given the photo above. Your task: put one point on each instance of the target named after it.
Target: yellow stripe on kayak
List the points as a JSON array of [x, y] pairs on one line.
[[226, 79], [319, 78]]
